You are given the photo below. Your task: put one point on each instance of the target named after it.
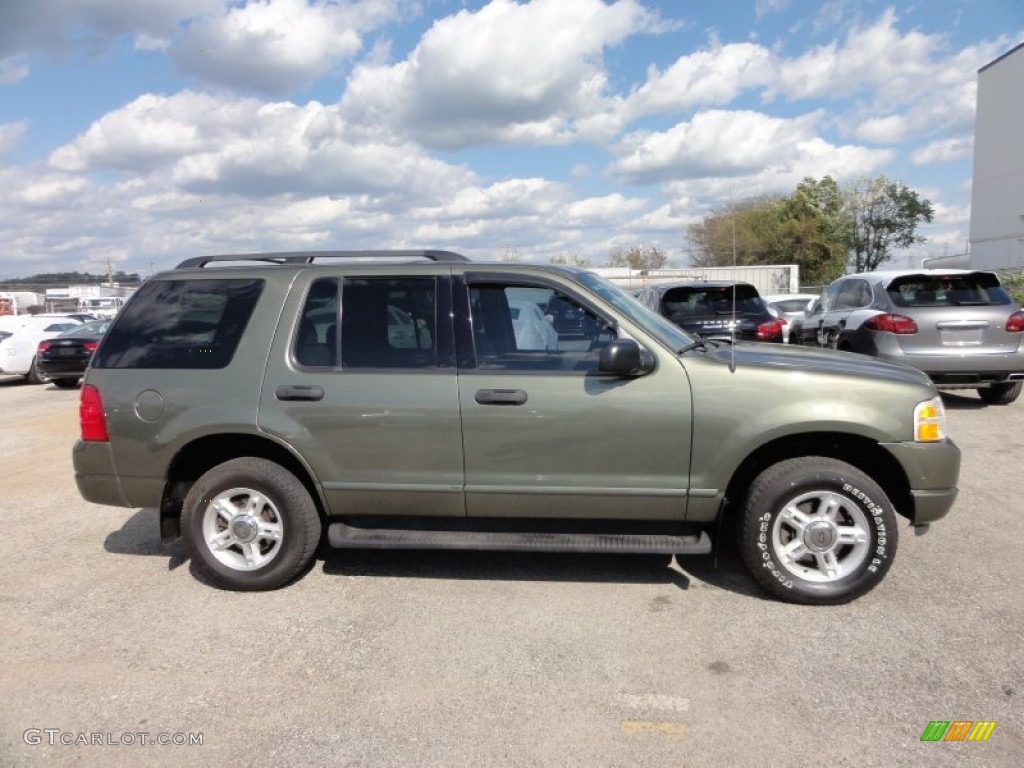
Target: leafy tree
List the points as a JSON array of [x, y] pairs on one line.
[[821, 227], [743, 233], [882, 215], [638, 257], [816, 230], [1013, 282]]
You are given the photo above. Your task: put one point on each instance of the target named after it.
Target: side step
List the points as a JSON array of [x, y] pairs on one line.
[[343, 536]]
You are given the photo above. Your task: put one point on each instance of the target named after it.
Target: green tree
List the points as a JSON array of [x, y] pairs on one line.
[[816, 229], [741, 233], [882, 215], [638, 257]]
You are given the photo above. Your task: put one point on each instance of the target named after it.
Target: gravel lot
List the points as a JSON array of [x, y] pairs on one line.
[[440, 659]]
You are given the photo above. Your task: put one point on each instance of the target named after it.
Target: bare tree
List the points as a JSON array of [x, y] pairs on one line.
[[638, 257]]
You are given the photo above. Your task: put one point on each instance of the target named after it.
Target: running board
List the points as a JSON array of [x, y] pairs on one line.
[[342, 536]]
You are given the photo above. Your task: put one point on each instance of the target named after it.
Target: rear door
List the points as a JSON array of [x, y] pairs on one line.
[[853, 293], [361, 382], [546, 434]]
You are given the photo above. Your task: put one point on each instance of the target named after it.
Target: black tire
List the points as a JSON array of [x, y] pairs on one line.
[[863, 515], [35, 376], [65, 383], [260, 497], [1001, 394]]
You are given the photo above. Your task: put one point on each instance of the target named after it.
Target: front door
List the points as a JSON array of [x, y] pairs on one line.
[[545, 434]]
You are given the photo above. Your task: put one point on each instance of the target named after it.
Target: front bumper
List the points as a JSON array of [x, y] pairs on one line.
[[932, 471]]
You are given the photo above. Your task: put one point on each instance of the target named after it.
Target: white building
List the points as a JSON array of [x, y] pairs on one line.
[[997, 197]]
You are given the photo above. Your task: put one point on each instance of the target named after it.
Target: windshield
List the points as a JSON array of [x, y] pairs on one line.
[[661, 328]]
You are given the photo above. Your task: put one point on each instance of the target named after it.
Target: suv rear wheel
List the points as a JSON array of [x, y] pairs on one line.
[[816, 530], [1001, 394], [250, 525]]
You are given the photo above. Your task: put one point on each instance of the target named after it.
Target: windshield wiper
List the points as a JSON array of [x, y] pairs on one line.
[[703, 343]]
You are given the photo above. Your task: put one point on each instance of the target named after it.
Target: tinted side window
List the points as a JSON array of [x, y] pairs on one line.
[[854, 294], [389, 323], [526, 328], [828, 298], [180, 324], [316, 342]]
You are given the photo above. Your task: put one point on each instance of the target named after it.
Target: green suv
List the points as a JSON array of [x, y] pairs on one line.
[[398, 399]]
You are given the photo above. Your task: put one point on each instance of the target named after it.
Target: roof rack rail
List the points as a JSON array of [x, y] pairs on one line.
[[309, 257]]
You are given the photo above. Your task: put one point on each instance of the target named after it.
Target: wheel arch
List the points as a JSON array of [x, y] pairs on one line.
[[202, 454], [859, 451]]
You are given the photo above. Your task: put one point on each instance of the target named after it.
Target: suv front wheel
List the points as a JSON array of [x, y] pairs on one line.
[[250, 525], [816, 530]]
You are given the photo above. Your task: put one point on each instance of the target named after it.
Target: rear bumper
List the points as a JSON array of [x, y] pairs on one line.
[[960, 366], [95, 474], [56, 369]]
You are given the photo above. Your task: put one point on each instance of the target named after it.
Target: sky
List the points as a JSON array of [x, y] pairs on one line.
[[138, 133]]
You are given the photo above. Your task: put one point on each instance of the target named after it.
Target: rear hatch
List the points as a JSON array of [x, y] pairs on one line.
[[716, 310], [966, 313]]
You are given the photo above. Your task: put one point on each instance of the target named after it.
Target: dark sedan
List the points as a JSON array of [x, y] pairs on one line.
[[715, 309], [64, 358]]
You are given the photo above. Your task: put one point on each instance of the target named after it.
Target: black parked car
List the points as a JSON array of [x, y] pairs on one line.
[[64, 358], [715, 309]]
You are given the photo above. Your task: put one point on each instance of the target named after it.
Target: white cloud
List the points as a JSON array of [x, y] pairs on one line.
[[508, 73], [704, 78], [719, 143], [249, 147], [61, 25], [10, 135], [49, 191], [944, 151], [276, 46], [877, 55], [12, 70], [890, 129]]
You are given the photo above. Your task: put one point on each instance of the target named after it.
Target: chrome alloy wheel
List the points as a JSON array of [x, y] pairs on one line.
[[821, 536], [243, 529]]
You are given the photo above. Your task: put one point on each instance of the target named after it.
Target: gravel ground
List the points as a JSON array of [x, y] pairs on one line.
[[452, 659]]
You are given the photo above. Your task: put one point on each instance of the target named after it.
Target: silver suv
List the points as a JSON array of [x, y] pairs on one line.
[[959, 327]]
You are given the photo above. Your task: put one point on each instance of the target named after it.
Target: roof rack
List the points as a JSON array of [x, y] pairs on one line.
[[310, 257]]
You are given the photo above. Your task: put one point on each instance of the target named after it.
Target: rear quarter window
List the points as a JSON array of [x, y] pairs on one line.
[[180, 324]]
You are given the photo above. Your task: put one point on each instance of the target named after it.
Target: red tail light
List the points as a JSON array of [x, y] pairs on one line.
[[43, 346], [900, 324], [90, 346], [1015, 322], [771, 330], [90, 415]]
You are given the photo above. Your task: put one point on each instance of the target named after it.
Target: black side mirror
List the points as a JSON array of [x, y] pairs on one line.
[[624, 357]]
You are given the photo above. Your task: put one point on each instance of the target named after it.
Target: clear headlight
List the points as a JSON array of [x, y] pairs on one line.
[[930, 421]]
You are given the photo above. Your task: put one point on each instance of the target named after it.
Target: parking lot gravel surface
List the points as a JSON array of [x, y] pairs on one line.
[[110, 646]]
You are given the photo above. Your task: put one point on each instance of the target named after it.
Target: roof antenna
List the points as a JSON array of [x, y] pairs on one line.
[[732, 321]]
